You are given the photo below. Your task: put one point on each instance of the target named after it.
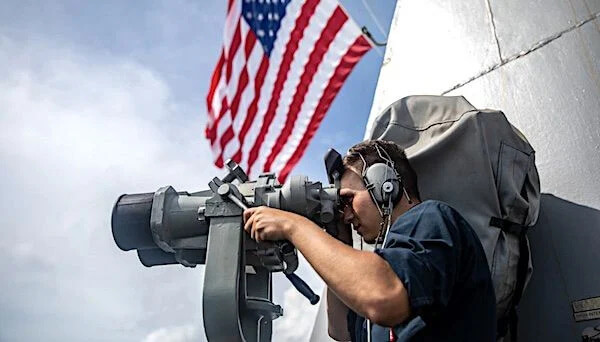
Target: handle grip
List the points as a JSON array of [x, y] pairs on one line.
[[303, 288]]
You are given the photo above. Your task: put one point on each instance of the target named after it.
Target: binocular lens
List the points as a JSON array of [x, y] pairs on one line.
[[156, 257], [131, 222]]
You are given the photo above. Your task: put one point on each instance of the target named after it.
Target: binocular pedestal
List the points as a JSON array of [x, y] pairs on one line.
[[237, 292]]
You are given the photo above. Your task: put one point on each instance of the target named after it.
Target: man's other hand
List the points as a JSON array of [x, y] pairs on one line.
[[264, 223]]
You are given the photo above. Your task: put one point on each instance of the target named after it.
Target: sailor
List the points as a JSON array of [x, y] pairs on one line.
[[427, 279]]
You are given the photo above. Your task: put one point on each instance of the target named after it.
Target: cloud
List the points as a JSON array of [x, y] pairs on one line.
[[186, 333], [77, 131], [298, 318]]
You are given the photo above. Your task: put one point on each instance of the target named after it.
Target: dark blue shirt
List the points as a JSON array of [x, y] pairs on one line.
[[439, 259]]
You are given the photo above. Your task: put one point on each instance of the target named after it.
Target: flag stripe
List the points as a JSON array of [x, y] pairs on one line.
[[231, 23], [217, 99], [235, 44], [273, 64], [214, 81], [334, 24], [254, 62], [241, 86], [338, 48], [306, 12], [243, 82], [356, 51], [237, 65], [219, 132], [252, 109], [213, 132]]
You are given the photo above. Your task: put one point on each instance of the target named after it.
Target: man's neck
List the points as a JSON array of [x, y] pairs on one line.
[[402, 207]]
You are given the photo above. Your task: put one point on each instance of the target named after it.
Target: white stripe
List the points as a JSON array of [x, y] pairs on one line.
[[216, 146], [219, 94], [221, 91], [252, 65], [306, 45], [230, 89], [283, 36], [231, 25], [332, 58], [239, 60]]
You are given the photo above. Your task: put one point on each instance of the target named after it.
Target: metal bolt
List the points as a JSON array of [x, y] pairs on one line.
[[224, 190]]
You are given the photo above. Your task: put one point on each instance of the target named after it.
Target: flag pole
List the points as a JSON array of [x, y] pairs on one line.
[[365, 32]]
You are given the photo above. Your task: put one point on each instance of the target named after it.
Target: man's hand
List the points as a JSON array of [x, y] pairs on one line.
[[264, 223]]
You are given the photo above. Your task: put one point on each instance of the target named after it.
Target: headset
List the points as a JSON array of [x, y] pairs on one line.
[[383, 182]]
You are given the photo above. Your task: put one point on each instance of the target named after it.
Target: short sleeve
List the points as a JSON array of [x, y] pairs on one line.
[[422, 249]]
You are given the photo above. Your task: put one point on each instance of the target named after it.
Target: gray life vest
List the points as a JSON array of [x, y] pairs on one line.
[[481, 165]]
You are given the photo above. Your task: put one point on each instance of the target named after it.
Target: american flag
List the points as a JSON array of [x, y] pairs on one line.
[[282, 63]]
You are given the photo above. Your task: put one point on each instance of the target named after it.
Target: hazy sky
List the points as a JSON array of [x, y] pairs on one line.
[[103, 98]]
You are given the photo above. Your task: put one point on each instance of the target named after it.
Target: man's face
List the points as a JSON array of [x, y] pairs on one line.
[[360, 211]]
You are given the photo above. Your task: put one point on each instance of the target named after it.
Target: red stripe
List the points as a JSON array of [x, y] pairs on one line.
[[228, 57], [224, 109], [229, 5], [235, 104], [214, 81], [252, 109], [235, 45], [352, 56], [292, 45], [249, 43], [243, 81], [227, 135], [242, 84], [333, 26], [212, 131]]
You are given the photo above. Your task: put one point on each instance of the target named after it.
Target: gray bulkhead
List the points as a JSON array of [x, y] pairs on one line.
[[538, 62]]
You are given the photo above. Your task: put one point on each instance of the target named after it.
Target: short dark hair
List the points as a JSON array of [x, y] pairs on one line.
[[368, 150]]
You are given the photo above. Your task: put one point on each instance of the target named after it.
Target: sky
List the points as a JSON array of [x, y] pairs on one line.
[[103, 98]]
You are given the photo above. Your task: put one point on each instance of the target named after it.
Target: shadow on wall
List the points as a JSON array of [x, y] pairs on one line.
[[565, 250]]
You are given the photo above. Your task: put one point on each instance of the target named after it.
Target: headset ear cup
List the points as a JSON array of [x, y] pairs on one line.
[[397, 195], [387, 189], [392, 189], [382, 182]]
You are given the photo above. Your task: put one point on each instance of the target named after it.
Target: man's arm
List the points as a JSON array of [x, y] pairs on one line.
[[364, 281], [337, 313]]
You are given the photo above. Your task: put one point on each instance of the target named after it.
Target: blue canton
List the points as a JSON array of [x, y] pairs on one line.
[[264, 18]]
